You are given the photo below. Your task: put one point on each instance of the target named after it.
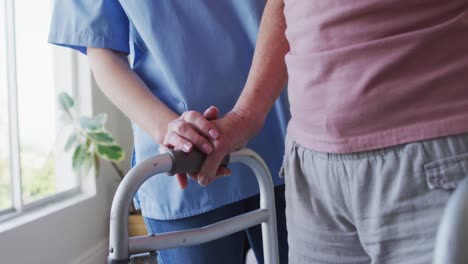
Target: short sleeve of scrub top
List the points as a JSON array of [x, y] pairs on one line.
[[90, 23]]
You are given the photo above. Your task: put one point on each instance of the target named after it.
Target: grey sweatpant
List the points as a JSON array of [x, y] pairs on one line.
[[381, 206]]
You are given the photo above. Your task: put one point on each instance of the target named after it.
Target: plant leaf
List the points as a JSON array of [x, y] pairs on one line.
[[90, 124], [110, 152], [88, 144], [101, 118], [78, 157], [101, 137], [65, 101], [71, 140], [88, 163]]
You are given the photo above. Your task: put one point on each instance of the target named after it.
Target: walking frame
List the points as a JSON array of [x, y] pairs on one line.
[[451, 245], [125, 249]]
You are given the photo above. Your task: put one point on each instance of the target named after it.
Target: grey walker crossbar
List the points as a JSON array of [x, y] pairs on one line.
[[122, 247]]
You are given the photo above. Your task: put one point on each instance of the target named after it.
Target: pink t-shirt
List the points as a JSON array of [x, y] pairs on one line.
[[370, 74]]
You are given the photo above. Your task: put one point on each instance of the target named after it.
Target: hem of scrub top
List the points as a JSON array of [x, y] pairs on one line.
[[197, 212]]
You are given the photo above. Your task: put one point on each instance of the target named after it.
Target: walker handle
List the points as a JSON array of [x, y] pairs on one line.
[[189, 162]]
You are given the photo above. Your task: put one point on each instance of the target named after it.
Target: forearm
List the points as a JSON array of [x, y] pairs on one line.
[[128, 92], [268, 74]]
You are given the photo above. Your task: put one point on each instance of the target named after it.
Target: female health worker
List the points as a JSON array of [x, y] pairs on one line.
[[184, 57]]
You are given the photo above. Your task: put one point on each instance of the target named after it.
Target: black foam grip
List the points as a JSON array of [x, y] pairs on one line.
[[189, 162]]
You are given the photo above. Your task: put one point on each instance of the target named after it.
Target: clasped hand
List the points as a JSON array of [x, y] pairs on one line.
[[214, 137]]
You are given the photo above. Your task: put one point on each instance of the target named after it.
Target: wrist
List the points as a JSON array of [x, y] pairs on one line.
[[157, 129], [158, 136], [250, 119]]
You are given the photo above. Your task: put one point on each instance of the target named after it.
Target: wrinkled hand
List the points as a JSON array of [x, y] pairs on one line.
[[189, 130], [192, 129], [234, 131]]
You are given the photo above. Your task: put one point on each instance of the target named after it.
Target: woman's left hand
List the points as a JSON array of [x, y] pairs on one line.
[[192, 129]]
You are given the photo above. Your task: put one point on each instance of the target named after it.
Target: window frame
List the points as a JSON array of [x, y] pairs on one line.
[[65, 77]]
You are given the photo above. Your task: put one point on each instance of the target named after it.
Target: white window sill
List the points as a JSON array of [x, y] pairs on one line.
[[21, 219]]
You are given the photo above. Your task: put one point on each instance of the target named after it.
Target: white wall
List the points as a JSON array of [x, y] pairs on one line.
[[77, 233]]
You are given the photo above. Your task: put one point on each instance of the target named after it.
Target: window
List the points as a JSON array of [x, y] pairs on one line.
[[33, 167], [5, 190]]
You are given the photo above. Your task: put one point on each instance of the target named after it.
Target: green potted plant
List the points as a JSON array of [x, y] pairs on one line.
[[89, 139], [90, 142]]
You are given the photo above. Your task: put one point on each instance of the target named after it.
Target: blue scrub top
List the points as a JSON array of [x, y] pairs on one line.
[[191, 55]]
